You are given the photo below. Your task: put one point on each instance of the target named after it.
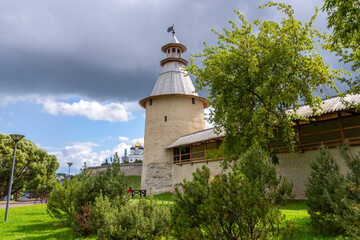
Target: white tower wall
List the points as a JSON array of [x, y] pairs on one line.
[[182, 117]]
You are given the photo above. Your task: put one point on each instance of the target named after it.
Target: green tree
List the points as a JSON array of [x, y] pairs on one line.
[[258, 71], [228, 206], [34, 168], [257, 167], [345, 202], [321, 184], [344, 20]]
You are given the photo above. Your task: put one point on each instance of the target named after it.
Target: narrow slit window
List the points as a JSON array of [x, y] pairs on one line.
[[193, 100], [150, 103], [165, 118]]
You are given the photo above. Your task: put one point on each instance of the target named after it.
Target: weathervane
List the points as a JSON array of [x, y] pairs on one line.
[[171, 29]]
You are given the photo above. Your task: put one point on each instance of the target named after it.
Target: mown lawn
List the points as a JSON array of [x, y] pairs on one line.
[[296, 210], [33, 222], [133, 181]]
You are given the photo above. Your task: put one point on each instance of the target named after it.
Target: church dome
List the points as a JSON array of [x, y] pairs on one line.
[[137, 144]]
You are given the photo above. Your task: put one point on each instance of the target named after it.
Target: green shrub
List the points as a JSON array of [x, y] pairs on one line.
[[145, 218], [61, 200], [321, 184], [256, 165], [228, 206], [75, 198], [110, 183], [345, 202]]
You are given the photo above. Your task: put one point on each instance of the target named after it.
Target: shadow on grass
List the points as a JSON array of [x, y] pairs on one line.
[[43, 230]]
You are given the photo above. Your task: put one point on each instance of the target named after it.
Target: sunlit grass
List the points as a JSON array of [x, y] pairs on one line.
[[296, 210], [32, 222]]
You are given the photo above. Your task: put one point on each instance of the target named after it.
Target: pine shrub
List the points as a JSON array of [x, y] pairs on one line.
[[228, 206], [321, 186], [145, 218], [61, 200], [256, 165], [346, 201], [74, 198]]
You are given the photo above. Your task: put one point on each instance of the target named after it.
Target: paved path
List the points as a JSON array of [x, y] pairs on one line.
[[19, 203]]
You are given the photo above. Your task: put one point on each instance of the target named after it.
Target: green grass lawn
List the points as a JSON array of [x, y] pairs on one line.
[[33, 222], [296, 210], [133, 181]]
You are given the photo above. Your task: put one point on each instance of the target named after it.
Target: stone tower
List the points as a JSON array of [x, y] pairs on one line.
[[173, 109]]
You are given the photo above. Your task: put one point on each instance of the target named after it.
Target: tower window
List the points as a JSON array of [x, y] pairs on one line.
[[168, 50], [150, 103], [178, 50], [165, 118], [173, 50], [193, 100]]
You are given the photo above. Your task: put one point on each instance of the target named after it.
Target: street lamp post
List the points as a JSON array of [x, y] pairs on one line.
[[16, 138], [69, 163]]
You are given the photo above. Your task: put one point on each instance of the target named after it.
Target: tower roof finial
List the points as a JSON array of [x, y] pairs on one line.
[[171, 29]]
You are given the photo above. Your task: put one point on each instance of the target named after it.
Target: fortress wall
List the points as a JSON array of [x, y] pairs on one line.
[[183, 118], [293, 166], [132, 169], [296, 167], [185, 171]]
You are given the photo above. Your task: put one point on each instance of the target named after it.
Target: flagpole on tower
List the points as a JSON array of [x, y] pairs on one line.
[[171, 29]]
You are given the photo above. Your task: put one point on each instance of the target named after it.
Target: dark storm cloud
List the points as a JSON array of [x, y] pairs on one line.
[[106, 50]]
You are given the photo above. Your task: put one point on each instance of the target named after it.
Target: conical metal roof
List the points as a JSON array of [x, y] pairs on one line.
[[173, 79]]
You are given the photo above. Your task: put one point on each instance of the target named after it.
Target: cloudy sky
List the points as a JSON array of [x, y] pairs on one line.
[[72, 71]]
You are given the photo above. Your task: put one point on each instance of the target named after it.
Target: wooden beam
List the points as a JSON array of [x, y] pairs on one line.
[[341, 127], [298, 137]]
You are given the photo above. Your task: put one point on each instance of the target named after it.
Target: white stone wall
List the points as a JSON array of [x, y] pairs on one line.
[[183, 118], [296, 167], [293, 166]]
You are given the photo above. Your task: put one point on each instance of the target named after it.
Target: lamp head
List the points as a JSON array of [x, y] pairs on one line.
[[16, 137], [69, 163]]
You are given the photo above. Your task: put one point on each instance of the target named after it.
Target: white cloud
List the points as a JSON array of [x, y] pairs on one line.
[[11, 99], [123, 139], [113, 112], [120, 149], [78, 153]]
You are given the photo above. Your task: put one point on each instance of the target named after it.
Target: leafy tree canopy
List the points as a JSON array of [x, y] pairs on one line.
[[34, 167], [256, 72], [344, 20]]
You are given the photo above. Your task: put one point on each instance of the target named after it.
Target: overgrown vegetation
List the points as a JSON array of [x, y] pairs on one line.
[[229, 206], [144, 218], [321, 184], [99, 204], [334, 200], [345, 202]]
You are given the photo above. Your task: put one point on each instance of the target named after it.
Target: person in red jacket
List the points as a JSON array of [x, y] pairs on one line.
[[130, 190]]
